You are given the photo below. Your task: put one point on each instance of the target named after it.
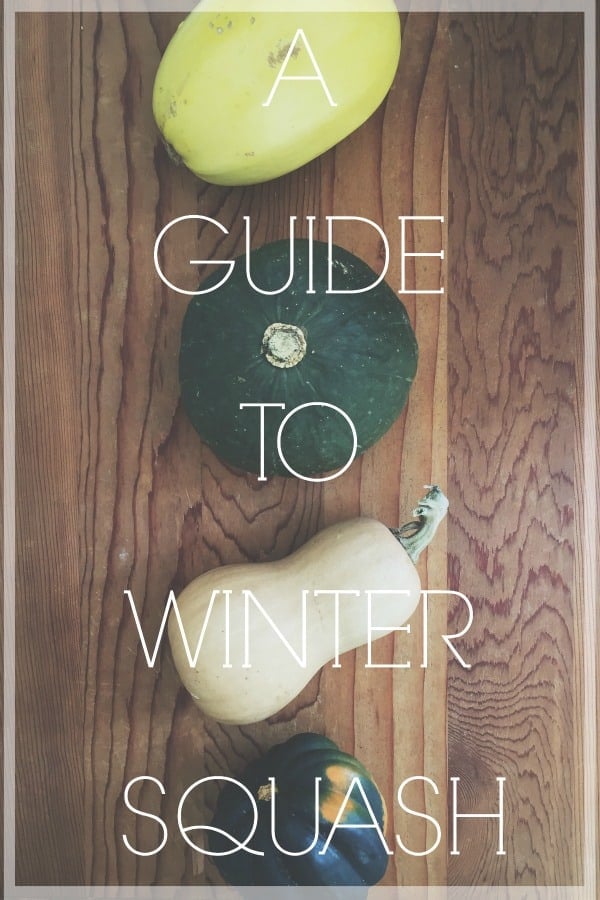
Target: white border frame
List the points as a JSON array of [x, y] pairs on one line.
[[587, 891]]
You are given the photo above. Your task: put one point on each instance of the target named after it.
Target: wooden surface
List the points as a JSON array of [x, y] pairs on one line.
[[117, 492], [514, 461]]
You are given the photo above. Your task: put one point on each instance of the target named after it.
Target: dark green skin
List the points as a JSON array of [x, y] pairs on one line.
[[355, 856], [361, 357]]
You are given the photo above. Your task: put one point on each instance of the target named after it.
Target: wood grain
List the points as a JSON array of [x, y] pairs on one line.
[[50, 667], [117, 492], [515, 312]]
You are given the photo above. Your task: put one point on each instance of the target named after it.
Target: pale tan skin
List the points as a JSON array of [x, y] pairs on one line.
[[359, 555]]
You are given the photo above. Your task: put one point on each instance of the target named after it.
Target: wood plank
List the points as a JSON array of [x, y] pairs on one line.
[[117, 491], [50, 667], [515, 344]]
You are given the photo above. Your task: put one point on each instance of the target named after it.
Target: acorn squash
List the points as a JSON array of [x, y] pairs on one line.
[[355, 855], [351, 356], [220, 68]]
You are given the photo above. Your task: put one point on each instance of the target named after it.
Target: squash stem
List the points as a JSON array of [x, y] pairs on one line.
[[415, 536], [284, 345], [172, 153]]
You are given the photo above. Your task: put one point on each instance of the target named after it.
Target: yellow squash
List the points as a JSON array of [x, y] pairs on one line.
[[236, 110], [244, 671]]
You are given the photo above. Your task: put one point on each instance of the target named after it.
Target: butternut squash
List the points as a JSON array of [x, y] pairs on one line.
[[247, 638]]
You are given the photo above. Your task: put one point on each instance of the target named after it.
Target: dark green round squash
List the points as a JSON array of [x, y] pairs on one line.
[[355, 352], [355, 856]]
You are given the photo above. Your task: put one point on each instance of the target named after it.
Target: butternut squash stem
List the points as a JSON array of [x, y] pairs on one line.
[[415, 536]]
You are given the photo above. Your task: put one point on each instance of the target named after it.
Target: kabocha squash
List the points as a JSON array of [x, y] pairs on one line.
[[355, 352], [212, 93], [242, 663], [355, 855]]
